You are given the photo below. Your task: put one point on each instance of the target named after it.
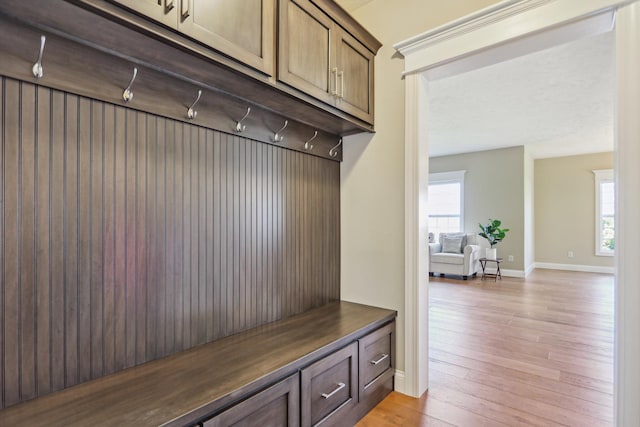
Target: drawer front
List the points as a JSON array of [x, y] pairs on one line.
[[376, 354], [329, 388], [277, 406]]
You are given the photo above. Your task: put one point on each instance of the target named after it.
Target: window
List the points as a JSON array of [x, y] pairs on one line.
[[445, 202], [605, 212]]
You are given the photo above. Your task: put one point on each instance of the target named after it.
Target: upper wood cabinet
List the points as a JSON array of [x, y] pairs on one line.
[[305, 54], [354, 63], [320, 58], [241, 29], [314, 50], [163, 11]]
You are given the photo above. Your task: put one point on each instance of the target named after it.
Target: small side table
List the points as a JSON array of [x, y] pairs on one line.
[[497, 275]]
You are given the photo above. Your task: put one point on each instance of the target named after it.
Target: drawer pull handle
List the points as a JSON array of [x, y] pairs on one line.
[[334, 71], [375, 362], [340, 387], [184, 14]]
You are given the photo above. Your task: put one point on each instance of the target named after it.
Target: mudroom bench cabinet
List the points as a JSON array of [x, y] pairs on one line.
[[328, 366]]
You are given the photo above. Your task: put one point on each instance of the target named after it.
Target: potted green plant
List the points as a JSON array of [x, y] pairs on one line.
[[494, 235]]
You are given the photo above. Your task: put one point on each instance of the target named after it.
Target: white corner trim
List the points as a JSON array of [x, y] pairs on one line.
[[416, 267], [544, 21], [627, 135], [481, 18], [574, 267], [399, 382]]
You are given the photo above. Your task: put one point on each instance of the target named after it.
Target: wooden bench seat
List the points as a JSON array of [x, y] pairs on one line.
[[188, 387]]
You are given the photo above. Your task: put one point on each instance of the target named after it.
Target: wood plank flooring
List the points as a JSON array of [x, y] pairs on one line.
[[535, 351]]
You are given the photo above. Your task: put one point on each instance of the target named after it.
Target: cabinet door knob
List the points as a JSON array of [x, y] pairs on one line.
[[341, 74], [337, 389], [168, 6]]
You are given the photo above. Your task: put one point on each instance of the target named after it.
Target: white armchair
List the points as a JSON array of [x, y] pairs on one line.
[[455, 253]]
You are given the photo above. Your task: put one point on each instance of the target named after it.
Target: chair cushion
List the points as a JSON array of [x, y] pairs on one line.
[[452, 245], [445, 258]]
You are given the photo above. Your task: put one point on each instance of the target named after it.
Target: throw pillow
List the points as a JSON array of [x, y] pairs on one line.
[[452, 245], [452, 235]]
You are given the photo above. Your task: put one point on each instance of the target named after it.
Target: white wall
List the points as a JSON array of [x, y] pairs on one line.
[[565, 214], [372, 181]]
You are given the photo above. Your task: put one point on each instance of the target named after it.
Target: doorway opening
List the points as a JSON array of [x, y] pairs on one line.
[[509, 29]]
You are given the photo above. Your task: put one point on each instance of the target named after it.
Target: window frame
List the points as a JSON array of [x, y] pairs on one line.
[[602, 176], [453, 177]]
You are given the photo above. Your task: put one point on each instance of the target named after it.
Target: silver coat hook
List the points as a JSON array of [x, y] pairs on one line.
[[278, 137], [127, 95], [308, 145], [239, 126], [191, 113], [37, 67], [334, 151]]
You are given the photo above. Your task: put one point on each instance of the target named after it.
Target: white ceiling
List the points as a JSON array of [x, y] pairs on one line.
[[557, 102]]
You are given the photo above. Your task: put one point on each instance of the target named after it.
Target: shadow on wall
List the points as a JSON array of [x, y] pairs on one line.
[[354, 147]]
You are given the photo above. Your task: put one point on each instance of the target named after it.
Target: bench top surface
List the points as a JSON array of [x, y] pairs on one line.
[[184, 388]]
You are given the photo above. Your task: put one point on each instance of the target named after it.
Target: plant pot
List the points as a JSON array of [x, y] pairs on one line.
[[491, 253]]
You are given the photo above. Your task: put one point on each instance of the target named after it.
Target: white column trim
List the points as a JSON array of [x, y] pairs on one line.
[[416, 239], [627, 153]]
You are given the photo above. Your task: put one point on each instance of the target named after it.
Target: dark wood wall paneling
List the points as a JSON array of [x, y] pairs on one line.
[[126, 237]]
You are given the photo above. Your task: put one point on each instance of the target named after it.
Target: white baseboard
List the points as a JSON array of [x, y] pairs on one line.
[[399, 383], [504, 272], [513, 273], [529, 269], [574, 267]]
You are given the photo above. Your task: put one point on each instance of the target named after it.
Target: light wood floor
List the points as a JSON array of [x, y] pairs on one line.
[[517, 352]]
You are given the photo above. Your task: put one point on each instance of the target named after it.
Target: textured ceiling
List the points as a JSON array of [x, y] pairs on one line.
[[557, 102]]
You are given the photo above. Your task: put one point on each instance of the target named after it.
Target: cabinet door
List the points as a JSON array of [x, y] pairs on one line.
[[241, 29], [355, 77], [163, 11], [277, 406], [329, 389], [305, 53]]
